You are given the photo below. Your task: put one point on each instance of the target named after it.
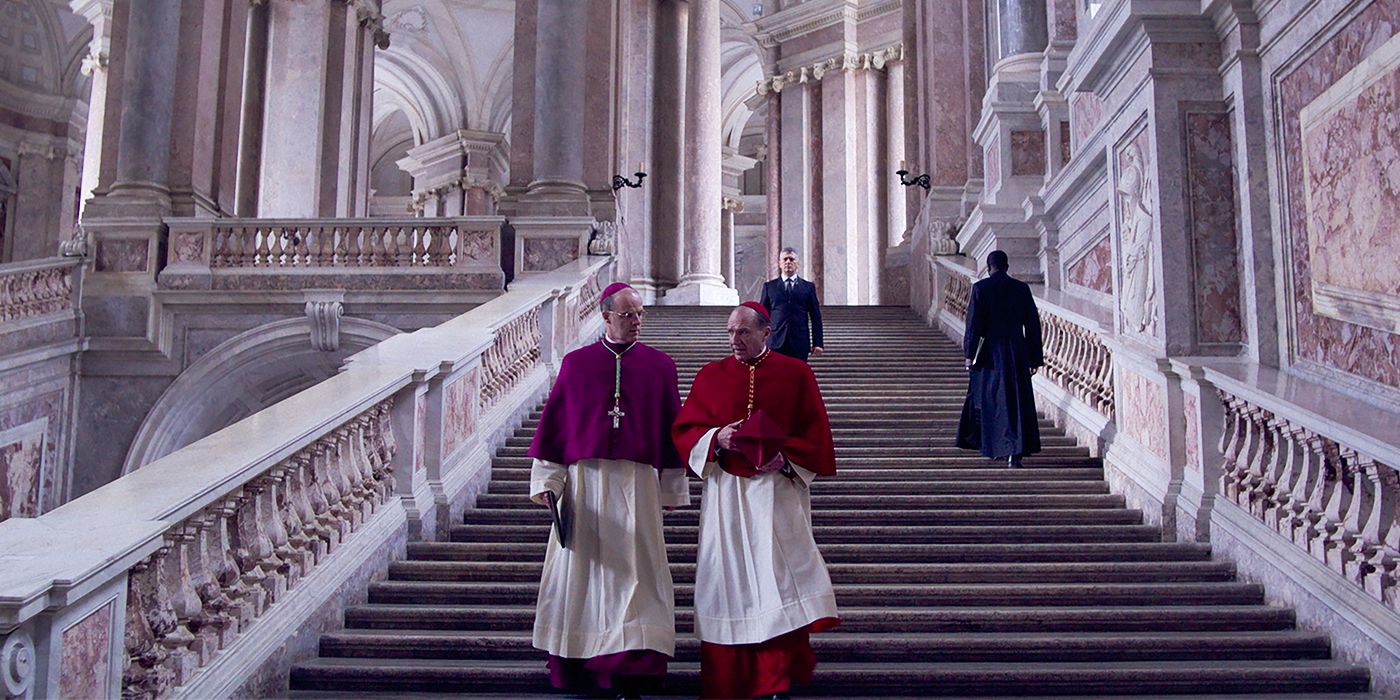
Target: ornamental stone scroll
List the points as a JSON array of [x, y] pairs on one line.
[[17, 665]]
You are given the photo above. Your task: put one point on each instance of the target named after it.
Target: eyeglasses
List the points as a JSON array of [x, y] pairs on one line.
[[628, 315]]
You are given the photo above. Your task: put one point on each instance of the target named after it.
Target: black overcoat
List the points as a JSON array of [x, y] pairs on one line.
[[999, 416], [793, 334]]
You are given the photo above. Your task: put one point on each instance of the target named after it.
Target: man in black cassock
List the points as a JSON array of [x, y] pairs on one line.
[[1002, 349], [797, 315]]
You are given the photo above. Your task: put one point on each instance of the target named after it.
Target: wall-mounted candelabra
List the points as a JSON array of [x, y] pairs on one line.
[[921, 180], [619, 181]]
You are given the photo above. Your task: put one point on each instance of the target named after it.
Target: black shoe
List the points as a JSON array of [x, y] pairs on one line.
[[1014, 461], [775, 696]]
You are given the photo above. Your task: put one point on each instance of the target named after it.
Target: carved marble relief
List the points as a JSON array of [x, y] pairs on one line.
[[1086, 112], [86, 667], [1361, 350], [1094, 268], [22, 473], [1214, 237], [1142, 411], [122, 255], [187, 247], [549, 253], [993, 160], [460, 422], [1351, 166], [1027, 152], [1136, 212], [479, 246], [1066, 151]]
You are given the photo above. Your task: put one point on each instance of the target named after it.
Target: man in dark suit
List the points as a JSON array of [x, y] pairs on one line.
[[1002, 348], [797, 315]]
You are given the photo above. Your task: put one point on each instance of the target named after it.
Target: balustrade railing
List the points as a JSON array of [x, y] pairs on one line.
[[37, 288], [333, 244], [1333, 502], [180, 562], [1077, 360], [957, 290]]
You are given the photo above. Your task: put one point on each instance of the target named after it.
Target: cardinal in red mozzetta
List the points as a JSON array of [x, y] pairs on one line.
[[761, 586]]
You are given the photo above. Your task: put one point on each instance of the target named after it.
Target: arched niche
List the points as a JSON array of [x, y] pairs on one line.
[[248, 372]]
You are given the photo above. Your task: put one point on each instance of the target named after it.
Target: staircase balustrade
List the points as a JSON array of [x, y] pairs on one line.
[[1327, 498], [37, 288], [248, 253], [190, 576]]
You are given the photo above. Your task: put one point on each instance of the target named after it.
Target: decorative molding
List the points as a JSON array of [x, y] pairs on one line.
[[17, 663], [874, 60], [94, 61], [324, 315]]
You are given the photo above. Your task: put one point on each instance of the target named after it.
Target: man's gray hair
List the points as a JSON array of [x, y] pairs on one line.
[[607, 303], [788, 249], [759, 320]]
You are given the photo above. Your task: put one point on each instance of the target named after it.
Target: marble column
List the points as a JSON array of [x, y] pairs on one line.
[[702, 283], [668, 155], [250, 126], [148, 105], [96, 66], [896, 215], [772, 171], [730, 206], [1021, 27], [559, 104]]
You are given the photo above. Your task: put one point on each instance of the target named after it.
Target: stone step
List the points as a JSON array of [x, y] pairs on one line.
[[847, 679], [883, 534], [869, 594], [529, 513], [932, 451], [868, 553], [408, 695], [868, 647], [683, 571], [968, 499], [518, 470], [903, 620], [910, 442], [861, 486], [965, 460]]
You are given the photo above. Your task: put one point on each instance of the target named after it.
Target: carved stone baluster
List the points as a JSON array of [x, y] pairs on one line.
[[350, 513], [146, 673], [362, 491], [418, 256], [1381, 531], [333, 518], [350, 246], [220, 552], [218, 248], [301, 242], [1264, 476], [248, 551], [276, 524], [177, 593], [1354, 549], [1231, 443], [1287, 495], [214, 624], [299, 519], [1335, 497], [320, 507], [386, 446]]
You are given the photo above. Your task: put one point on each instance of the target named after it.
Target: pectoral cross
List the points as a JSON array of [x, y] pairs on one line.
[[617, 413]]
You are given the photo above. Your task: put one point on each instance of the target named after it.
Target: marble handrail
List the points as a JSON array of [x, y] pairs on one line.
[[205, 541], [36, 288], [353, 243]]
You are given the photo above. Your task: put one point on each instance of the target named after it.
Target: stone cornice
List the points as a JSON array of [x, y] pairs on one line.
[[815, 16], [873, 60]]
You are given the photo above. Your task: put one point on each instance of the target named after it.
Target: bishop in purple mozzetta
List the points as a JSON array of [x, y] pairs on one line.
[[606, 610]]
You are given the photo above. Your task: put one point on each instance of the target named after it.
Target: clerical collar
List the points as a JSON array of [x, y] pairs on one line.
[[758, 360], [615, 346]]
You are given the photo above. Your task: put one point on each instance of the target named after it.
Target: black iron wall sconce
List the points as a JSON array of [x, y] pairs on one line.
[[619, 181], [921, 181]]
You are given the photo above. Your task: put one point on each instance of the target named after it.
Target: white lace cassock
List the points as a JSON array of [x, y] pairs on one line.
[[758, 574], [611, 590]]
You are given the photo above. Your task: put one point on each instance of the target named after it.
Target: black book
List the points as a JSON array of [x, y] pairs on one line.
[[560, 517]]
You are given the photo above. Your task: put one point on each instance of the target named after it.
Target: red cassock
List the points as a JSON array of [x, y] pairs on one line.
[[786, 390]]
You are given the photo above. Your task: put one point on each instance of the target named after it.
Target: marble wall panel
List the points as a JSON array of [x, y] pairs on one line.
[[459, 422], [1193, 433], [187, 247], [1214, 228], [751, 266], [1351, 165], [993, 160], [543, 254], [1086, 113], [1135, 213], [1142, 410], [1094, 268], [122, 255], [86, 662], [22, 470], [478, 246], [1066, 151], [1027, 152], [1360, 350]]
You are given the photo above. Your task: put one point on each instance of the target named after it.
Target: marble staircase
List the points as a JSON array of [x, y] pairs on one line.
[[956, 576]]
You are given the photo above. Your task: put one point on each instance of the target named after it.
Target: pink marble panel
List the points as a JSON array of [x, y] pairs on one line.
[[122, 255], [1136, 213], [1063, 20], [1214, 238], [993, 159], [460, 412], [1142, 410], [478, 246], [43, 415], [1027, 152], [85, 669], [420, 432], [1086, 113], [1193, 433], [1094, 269], [1360, 350], [1065, 151], [187, 247], [549, 253], [22, 471]]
